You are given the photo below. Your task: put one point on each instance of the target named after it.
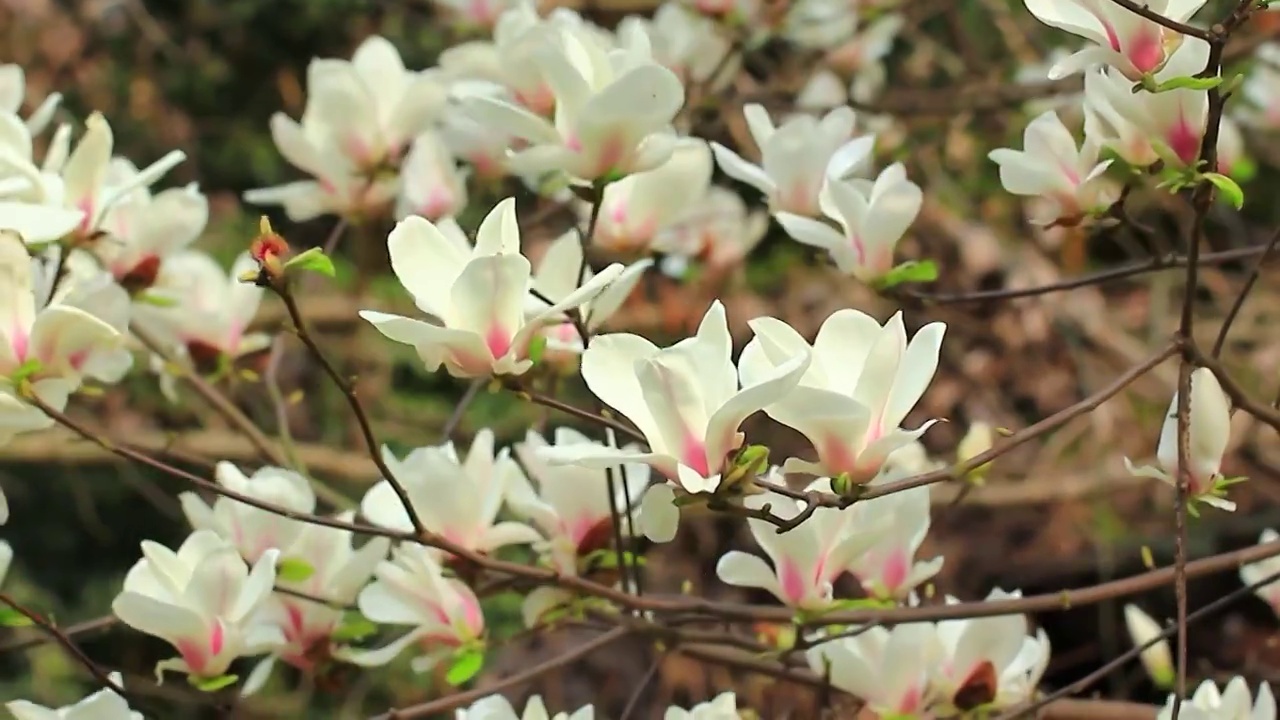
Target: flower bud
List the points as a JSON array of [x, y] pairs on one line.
[[269, 249], [1157, 659], [974, 443]]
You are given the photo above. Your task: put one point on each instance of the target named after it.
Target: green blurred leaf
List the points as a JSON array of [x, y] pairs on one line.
[[1188, 82], [24, 371], [313, 260], [12, 618], [354, 626], [212, 684], [915, 271], [466, 664], [294, 570], [1228, 187]]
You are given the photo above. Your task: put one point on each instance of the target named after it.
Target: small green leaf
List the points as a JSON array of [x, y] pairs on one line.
[[916, 271], [1188, 82], [465, 666], [212, 684], [1228, 187], [537, 348], [354, 627], [24, 371], [292, 569], [313, 260], [155, 299], [12, 618]]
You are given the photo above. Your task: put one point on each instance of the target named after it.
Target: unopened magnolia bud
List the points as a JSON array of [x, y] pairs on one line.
[[1156, 659], [975, 442], [269, 249]]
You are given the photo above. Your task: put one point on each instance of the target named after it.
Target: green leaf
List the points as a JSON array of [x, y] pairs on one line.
[[12, 618], [465, 666], [916, 271], [354, 627], [537, 348], [1192, 83], [313, 260], [24, 371], [212, 684], [155, 299], [292, 569], [1228, 187]]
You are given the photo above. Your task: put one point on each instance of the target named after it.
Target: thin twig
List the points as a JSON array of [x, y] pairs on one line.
[[456, 700], [1249, 282], [348, 390], [66, 642]]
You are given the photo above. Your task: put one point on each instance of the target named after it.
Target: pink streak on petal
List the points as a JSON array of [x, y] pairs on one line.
[[216, 637], [1146, 53], [1184, 140], [790, 580], [193, 655], [498, 340], [694, 454], [20, 341], [894, 572]]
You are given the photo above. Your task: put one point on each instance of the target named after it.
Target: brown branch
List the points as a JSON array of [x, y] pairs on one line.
[[349, 392], [66, 642], [1165, 22], [1249, 282], [456, 700], [216, 399], [1155, 264]]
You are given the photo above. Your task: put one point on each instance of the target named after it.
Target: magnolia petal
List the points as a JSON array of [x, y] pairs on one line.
[[746, 570], [722, 427], [735, 167], [380, 656], [659, 517]]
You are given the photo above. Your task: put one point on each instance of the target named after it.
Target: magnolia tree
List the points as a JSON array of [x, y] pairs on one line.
[[99, 277]]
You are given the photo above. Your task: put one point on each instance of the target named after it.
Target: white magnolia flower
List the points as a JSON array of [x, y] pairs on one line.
[[1256, 572], [6, 559], [978, 650], [507, 67], [143, 229], [478, 295], [798, 158], [203, 600], [1210, 431], [887, 569], [1052, 167], [637, 208], [1235, 702], [4, 518], [476, 15], [360, 116], [456, 499], [1144, 127], [1157, 659], [370, 107], [104, 704], [863, 57], [613, 110], [570, 505], [497, 707], [206, 310], [685, 400], [723, 707], [432, 184], [1123, 39], [557, 278], [253, 531], [863, 381], [720, 231], [483, 147], [70, 182], [889, 669], [334, 572], [411, 589], [13, 91], [55, 342], [690, 45], [873, 217], [807, 560]]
